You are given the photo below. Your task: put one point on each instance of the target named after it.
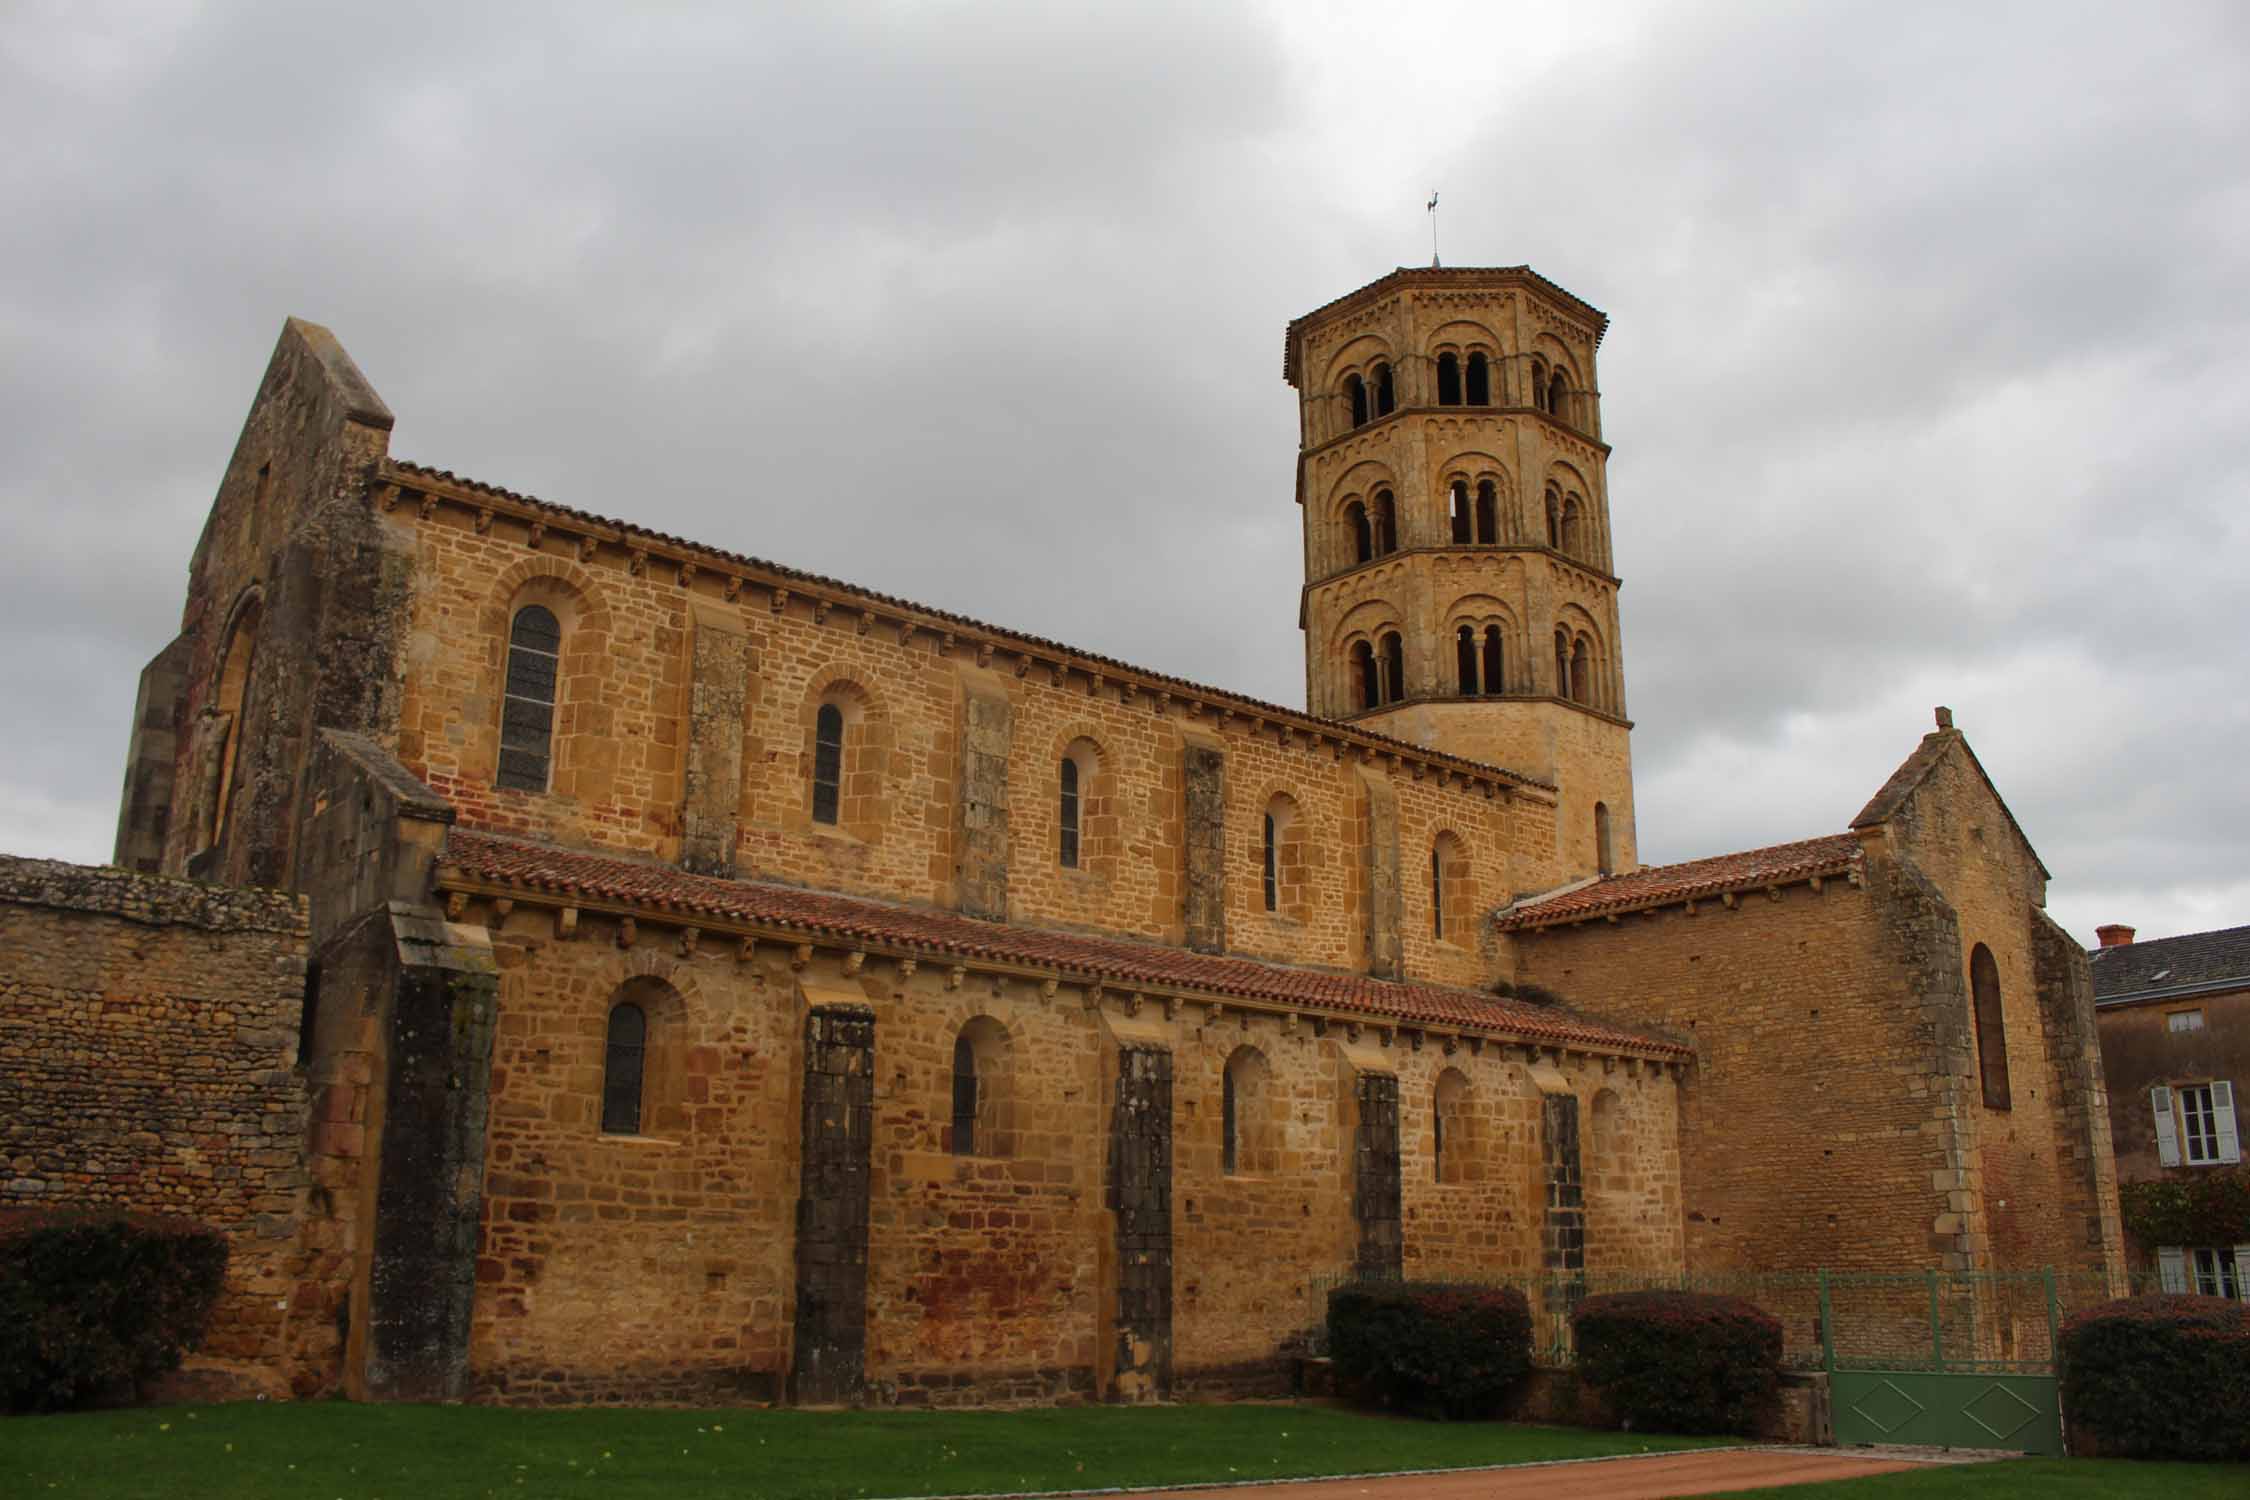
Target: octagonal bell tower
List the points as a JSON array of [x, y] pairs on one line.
[[1459, 590]]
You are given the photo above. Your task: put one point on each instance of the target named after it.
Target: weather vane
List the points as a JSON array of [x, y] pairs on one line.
[[1433, 229]]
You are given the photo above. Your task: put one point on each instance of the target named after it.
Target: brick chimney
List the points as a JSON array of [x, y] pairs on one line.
[[2114, 934]]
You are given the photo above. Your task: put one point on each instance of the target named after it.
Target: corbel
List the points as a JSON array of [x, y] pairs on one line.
[[566, 922], [1855, 878], [688, 570], [537, 534], [1125, 694], [820, 608], [945, 644], [1091, 997], [1476, 1046], [455, 905], [1352, 1030], [387, 498], [1387, 1035], [1047, 988], [1214, 1012], [854, 961], [731, 590], [1690, 908], [689, 937], [984, 653], [906, 968], [1414, 1039], [484, 520], [1162, 706], [429, 505], [1773, 893], [800, 956], [636, 561], [1171, 1007], [1133, 1003], [1225, 719], [500, 910], [1420, 767], [1093, 684], [628, 932], [1727, 900], [779, 601], [1817, 882], [1290, 1023], [1632, 1067], [1610, 918], [866, 619], [1023, 665], [1609, 1063], [1450, 1045], [1321, 1026], [955, 975], [746, 950], [586, 546]]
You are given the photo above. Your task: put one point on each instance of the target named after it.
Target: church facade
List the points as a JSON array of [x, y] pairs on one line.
[[724, 982]]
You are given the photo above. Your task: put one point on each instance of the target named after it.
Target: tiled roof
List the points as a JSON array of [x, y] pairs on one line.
[[2163, 966], [1436, 276], [1658, 885], [1911, 773], [1061, 651], [477, 858]]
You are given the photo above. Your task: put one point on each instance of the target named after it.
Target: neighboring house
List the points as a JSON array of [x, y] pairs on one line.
[[2174, 1017]]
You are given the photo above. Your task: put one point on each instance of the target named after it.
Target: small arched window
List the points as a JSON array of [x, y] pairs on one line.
[[1449, 379], [1539, 384], [1495, 675], [1558, 391], [622, 1066], [965, 1094], [1605, 859], [1554, 518], [1465, 659], [1464, 523], [1365, 675], [828, 763], [1581, 672], [1437, 893], [1573, 528], [527, 712], [1355, 389], [1992, 1032], [1488, 512], [1394, 668], [1480, 381], [1273, 892], [1363, 532], [1386, 524], [1562, 663], [1069, 814], [1384, 395]]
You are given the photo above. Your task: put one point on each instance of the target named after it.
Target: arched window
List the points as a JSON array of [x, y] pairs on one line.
[[622, 1066], [1539, 384], [1488, 512], [1284, 858], [1394, 668], [1581, 672], [527, 712], [1465, 659], [1557, 390], [1464, 524], [1363, 532], [1449, 379], [1069, 816], [1562, 663], [1573, 528], [1605, 859], [1386, 524], [1273, 892], [1449, 889], [1437, 893], [828, 763], [1384, 397], [1480, 381], [965, 1093], [1451, 1152], [1229, 1122], [1495, 675], [1554, 518], [1992, 1033], [1356, 389], [1365, 675]]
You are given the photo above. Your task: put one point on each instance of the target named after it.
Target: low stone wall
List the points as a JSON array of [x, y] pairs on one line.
[[1798, 1414], [148, 1041]]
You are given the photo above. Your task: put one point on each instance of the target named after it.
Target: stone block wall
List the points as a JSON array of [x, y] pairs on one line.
[[148, 1049]]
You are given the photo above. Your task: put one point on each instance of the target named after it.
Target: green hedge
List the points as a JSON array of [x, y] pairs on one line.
[[98, 1304], [1446, 1351], [1679, 1361], [2164, 1376]]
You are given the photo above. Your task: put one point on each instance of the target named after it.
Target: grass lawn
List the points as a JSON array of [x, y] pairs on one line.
[[2038, 1479], [322, 1449]]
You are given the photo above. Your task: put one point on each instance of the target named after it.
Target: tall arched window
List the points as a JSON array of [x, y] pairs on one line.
[[965, 1094], [1394, 668], [1558, 390], [1069, 814], [1384, 395], [1464, 523], [1605, 860], [1437, 893], [1363, 532], [1581, 672], [828, 763], [1488, 512], [527, 713], [1573, 528], [1539, 384], [1992, 1033], [1480, 381], [1386, 524], [622, 1066], [1273, 892], [1562, 663], [1465, 659], [1449, 379], [1365, 676], [1495, 674], [1554, 518], [1356, 390]]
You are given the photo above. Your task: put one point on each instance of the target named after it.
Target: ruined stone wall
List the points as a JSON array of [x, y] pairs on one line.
[[148, 1036], [924, 718]]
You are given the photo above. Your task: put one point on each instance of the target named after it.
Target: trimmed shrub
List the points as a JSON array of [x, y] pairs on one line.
[[1679, 1361], [2164, 1376], [1445, 1351], [95, 1304]]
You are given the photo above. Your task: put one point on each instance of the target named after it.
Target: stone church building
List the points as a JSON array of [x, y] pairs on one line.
[[701, 980]]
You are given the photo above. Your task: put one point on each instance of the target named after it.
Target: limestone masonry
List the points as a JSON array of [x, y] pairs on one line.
[[707, 981]]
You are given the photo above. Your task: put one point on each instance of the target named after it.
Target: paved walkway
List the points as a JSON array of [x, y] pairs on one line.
[[1648, 1478]]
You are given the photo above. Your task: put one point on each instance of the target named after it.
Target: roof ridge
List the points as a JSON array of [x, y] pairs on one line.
[[1659, 885]]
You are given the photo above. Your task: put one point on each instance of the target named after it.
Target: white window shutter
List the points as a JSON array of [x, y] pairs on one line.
[[2167, 1127], [2222, 1110], [2171, 1268], [2242, 1272]]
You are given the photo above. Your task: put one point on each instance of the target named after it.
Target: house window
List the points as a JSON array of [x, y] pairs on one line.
[[1069, 813], [527, 712], [828, 763], [2184, 1020], [1992, 1034], [2195, 1124], [622, 1066], [965, 1094], [2205, 1270]]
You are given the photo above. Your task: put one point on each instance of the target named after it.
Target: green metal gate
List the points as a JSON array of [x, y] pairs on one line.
[[1951, 1359]]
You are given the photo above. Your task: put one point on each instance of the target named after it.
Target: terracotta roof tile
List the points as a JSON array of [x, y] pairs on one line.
[[473, 857], [1833, 854], [1060, 650]]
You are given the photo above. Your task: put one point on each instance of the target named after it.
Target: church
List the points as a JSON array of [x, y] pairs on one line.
[[700, 980]]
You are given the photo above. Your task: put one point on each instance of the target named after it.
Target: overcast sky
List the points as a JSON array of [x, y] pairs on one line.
[[1927, 373]]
